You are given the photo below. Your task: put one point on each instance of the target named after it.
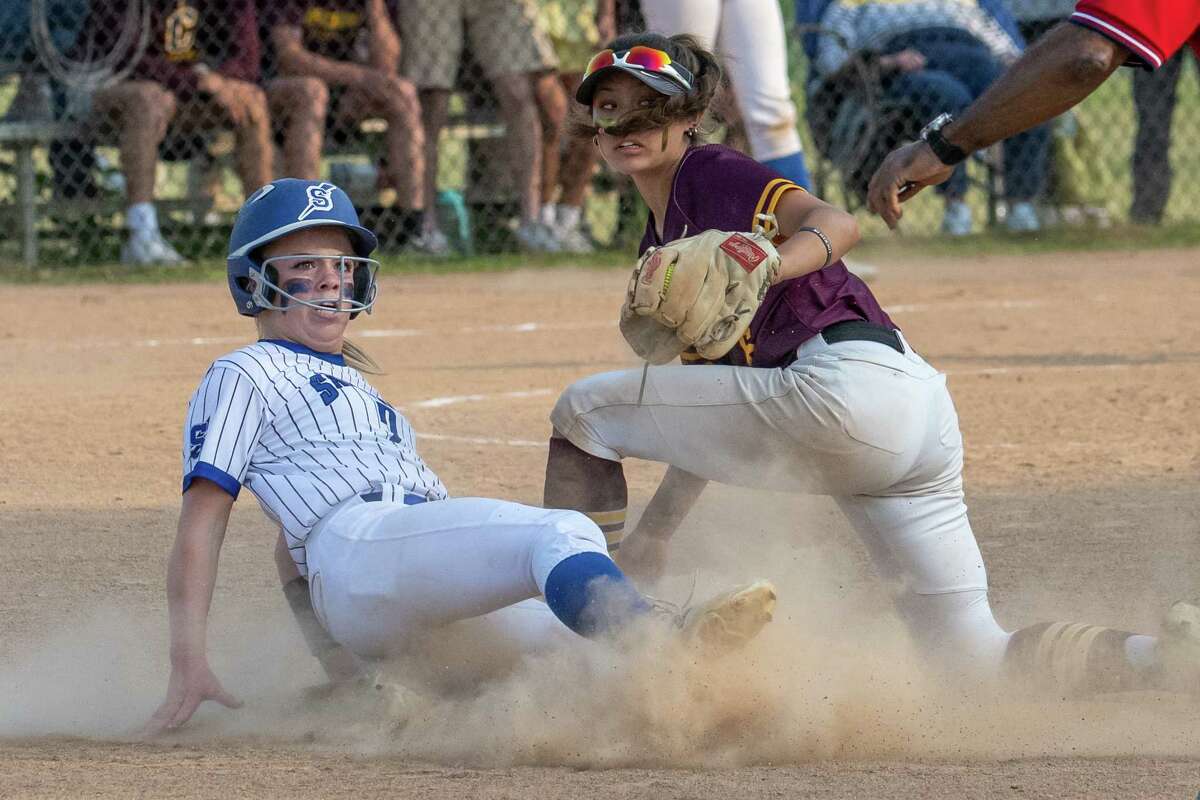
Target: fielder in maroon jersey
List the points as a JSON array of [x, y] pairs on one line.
[[822, 395]]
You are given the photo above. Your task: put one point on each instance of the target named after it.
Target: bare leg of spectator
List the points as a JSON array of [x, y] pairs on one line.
[[578, 165], [299, 106], [1154, 98], [397, 104], [434, 105], [524, 143], [140, 112], [252, 127], [552, 103]]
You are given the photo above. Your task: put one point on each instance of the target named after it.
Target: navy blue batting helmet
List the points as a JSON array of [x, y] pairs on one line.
[[277, 209]]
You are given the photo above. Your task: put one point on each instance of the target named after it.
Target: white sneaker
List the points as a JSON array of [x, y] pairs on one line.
[[431, 243], [152, 249], [727, 621], [534, 237], [1022, 218], [957, 219], [1179, 647], [574, 240]]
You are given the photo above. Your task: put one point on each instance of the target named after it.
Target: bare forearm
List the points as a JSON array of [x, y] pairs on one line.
[[191, 577], [295, 59], [665, 512], [1060, 70], [805, 252]]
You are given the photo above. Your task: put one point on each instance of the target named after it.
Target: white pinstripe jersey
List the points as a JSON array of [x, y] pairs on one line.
[[302, 431]]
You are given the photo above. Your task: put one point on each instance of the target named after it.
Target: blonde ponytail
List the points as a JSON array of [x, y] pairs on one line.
[[359, 358]]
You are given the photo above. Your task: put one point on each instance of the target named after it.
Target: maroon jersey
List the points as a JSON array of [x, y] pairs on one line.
[[717, 188], [335, 29], [220, 34]]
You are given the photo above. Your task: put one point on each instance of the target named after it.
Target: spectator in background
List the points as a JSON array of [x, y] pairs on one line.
[[199, 71], [344, 56], [575, 28], [1154, 98], [749, 35], [1075, 174], [512, 50], [937, 56]]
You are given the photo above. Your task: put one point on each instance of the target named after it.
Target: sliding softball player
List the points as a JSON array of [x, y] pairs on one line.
[[794, 379], [371, 530]]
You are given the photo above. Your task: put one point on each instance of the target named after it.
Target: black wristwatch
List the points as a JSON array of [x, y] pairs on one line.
[[931, 134]]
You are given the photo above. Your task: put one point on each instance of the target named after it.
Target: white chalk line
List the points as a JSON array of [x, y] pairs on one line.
[[484, 440], [453, 400], [911, 308]]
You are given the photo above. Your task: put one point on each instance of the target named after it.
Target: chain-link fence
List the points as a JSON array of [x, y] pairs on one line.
[[132, 129]]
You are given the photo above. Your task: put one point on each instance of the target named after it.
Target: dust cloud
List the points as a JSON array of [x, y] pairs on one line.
[[833, 677]]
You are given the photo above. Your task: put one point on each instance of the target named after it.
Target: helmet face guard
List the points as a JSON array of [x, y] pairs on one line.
[[282, 207], [356, 287]]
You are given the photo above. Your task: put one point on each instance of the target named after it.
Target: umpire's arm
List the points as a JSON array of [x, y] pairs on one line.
[[1056, 73]]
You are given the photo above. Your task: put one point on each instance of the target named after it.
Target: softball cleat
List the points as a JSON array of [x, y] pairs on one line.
[[729, 620], [1179, 646]]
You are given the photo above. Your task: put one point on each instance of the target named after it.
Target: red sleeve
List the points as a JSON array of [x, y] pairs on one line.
[[1152, 30], [246, 48]]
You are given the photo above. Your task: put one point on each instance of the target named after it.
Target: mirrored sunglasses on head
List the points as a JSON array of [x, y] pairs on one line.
[[302, 283], [644, 59]]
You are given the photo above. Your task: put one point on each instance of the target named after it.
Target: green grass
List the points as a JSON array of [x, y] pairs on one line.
[[876, 250]]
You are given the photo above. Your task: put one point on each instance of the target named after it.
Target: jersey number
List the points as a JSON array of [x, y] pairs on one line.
[[327, 387], [387, 415]]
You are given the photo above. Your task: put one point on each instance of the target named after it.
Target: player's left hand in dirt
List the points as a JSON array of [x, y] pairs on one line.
[[190, 685], [700, 292]]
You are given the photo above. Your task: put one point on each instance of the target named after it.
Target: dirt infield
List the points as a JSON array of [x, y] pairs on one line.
[[1077, 379]]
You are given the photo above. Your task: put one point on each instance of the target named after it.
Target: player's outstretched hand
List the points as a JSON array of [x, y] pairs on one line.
[[905, 172], [190, 685], [643, 558]]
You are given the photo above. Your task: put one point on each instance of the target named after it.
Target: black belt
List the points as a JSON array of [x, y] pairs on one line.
[[857, 330]]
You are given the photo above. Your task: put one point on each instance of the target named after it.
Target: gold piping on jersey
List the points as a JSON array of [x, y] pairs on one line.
[[763, 198], [772, 193]]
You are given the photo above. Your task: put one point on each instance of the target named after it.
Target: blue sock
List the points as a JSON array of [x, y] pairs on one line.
[[792, 167], [590, 595]]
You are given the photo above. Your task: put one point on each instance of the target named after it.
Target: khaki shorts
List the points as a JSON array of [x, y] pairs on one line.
[[504, 36], [571, 26]]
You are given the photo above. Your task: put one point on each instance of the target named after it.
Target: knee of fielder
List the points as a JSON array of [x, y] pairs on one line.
[[585, 483]]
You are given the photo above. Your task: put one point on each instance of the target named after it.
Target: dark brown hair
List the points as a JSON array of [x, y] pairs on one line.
[[687, 50]]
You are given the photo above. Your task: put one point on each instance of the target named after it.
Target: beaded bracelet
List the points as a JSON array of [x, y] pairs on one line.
[[824, 240]]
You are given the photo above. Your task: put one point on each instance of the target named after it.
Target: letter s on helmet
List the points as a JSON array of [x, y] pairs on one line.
[[274, 211]]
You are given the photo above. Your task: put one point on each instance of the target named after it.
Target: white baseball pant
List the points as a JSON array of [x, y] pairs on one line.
[[749, 37], [857, 420], [380, 571]]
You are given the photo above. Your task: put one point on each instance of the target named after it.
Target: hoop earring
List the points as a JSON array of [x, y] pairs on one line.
[[596, 140]]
